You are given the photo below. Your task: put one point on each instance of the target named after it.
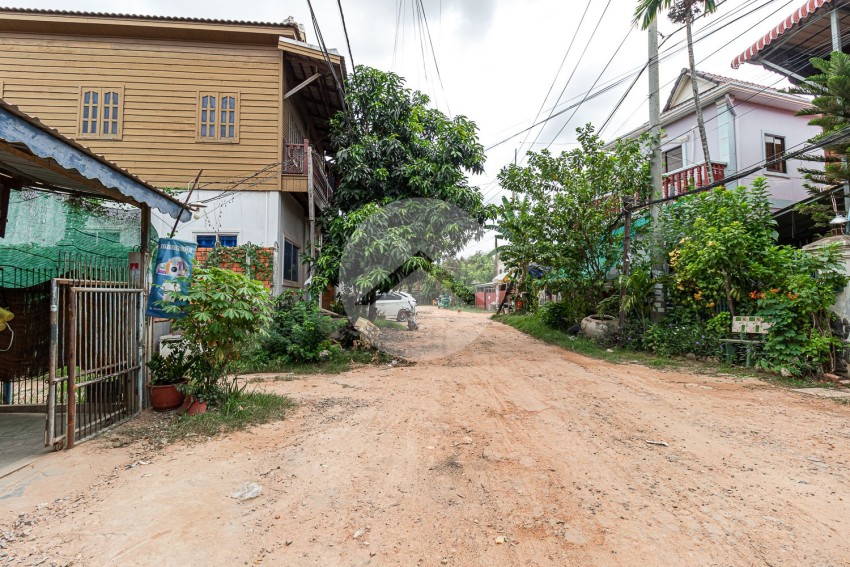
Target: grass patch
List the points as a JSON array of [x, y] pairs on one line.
[[533, 326], [337, 363], [161, 428], [251, 408], [390, 324]]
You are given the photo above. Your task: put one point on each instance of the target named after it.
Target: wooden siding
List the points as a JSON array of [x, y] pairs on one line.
[[161, 81]]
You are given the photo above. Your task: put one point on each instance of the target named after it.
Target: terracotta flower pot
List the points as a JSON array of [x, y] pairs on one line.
[[164, 398], [197, 407], [597, 326]]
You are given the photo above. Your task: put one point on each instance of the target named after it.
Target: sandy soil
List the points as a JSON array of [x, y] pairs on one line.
[[508, 452]]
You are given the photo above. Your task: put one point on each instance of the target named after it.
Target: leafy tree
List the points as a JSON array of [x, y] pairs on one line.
[[682, 12], [399, 239], [393, 146], [475, 269], [830, 109], [566, 210]]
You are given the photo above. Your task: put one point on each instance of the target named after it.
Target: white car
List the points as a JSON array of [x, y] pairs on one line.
[[395, 305]]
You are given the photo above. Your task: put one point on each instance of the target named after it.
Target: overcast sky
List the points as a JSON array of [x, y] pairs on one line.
[[498, 58]]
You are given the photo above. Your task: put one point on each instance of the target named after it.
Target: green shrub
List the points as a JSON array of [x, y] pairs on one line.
[[222, 313], [171, 369], [299, 331], [559, 314], [671, 337]]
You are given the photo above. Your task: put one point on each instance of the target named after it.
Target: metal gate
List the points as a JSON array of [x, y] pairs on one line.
[[96, 358]]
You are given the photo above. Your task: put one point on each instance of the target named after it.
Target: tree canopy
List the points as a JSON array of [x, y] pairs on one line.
[[393, 145], [566, 211]]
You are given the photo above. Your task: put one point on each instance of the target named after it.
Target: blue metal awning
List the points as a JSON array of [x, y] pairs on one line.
[[39, 156]]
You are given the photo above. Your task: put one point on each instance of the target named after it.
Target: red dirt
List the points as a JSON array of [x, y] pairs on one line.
[[509, 452]]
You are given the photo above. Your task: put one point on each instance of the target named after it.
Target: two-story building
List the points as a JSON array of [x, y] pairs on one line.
[[745, 123], [244, 104]]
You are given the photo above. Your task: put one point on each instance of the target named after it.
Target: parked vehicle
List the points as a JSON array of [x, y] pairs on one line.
[[396, 305]]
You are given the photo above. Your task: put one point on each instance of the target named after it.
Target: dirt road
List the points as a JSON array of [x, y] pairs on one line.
[[507, 452]]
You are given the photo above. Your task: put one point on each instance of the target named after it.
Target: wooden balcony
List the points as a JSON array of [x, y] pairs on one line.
[[304, 170], [688, 178]]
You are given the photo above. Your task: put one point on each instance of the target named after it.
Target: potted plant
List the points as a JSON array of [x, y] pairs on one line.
[[167, 373], [220, 313]]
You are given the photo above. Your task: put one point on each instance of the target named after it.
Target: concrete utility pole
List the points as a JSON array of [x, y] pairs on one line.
[[654, 164], [654, 117]]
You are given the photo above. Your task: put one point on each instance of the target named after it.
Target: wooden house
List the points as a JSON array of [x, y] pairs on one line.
[[246, 103]]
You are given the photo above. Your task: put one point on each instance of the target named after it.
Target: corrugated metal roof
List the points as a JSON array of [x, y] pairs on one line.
[[285, 24], [800, 15], [41, 154]]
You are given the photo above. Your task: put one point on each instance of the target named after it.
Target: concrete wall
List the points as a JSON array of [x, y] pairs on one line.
[[264, 218], [251, 215]]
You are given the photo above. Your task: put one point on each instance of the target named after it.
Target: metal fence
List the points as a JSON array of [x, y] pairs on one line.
[[26, 292], [96, 359]]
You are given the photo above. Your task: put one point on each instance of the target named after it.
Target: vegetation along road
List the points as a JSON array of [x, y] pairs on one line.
[[506, 452]]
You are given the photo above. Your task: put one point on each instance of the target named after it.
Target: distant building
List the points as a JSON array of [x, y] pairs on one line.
[[745, 124]]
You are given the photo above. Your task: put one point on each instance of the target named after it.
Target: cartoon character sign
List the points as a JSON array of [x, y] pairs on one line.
[[173, 268]]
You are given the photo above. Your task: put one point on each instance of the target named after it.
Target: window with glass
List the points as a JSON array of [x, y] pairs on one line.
[[673, 159], [213, 240], [101, 112], [774, 147], [291, 262], [218, 117]]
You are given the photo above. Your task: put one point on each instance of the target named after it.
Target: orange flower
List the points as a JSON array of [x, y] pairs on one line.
[[754, 295], [774, 290]]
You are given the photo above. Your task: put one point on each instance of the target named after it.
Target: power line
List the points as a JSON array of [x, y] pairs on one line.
[[622, 43], [434, 54], [345, 31], [589, 96], [575, 68], [340, 89], [557, 73], [663, 56], [721, 47]]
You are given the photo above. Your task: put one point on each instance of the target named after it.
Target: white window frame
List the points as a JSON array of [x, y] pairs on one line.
[[767, 171]]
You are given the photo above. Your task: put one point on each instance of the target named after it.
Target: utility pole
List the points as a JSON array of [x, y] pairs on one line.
[[627, 242], [654, 119], [654, 164]]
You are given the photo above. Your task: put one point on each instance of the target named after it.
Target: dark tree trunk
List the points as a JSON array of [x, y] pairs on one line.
[[373, 308], [700, 122]]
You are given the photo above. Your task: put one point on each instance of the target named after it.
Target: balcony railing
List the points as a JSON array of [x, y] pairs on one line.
[[684, 180], [295, 163]]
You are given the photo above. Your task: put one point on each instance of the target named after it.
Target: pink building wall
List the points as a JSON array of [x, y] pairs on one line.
[[738, 141]]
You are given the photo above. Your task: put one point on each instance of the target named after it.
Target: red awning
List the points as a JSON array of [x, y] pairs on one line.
[[799, 15]]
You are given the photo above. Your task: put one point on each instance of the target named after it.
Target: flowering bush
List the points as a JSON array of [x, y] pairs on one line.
[[797, 306]]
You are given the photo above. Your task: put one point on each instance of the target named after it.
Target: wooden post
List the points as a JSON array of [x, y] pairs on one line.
[[5, 193], [144, 247], [311, 198], [627, 240]]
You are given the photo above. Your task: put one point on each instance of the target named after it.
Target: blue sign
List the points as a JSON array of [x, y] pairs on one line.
[[173, 261]]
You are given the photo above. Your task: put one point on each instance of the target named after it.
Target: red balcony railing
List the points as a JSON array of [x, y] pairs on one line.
[[684, 180], [295, 163]]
